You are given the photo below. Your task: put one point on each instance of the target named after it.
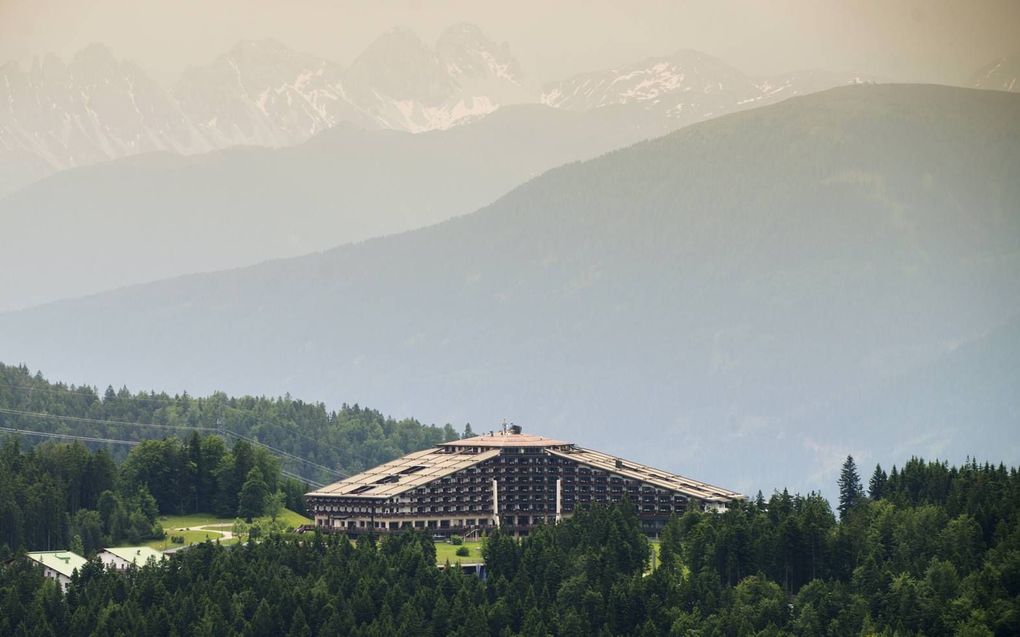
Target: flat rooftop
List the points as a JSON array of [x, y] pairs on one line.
[[400, 475], [137, 555], [507, 439]]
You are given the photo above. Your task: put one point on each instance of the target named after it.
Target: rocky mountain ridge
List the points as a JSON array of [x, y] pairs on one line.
[[94, 107]]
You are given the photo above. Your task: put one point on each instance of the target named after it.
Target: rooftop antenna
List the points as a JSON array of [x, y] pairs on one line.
[[504, 426]]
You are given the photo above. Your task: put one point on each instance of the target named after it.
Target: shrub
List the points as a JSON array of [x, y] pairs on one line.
[[456, 540], [463, 551]]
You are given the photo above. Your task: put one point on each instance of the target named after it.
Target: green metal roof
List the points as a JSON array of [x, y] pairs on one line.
[[137, 555], [63, 562]]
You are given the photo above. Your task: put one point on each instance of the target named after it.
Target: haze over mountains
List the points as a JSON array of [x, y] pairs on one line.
[[201, 209], [154, 216], [757, 294], [55, 115]]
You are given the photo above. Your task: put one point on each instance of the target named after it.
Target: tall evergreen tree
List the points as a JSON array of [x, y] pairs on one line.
[[850, 489], [876, 486]]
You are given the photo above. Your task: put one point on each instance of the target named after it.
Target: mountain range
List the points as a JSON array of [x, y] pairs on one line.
[[93, 108], [747, 299], [96, 107], [268, 153]]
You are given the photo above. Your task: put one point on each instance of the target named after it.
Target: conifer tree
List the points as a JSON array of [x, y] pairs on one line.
[[850, 489], [876, 486]]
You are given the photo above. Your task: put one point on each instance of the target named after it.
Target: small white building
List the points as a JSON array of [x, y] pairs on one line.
[[123, 557], [58, 565]]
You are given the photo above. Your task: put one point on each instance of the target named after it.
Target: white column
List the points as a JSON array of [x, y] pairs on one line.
[[495, 502], [559, 499]]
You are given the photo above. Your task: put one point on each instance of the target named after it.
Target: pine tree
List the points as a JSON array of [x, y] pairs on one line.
[[850, 489], [299, 625], [876, 486]]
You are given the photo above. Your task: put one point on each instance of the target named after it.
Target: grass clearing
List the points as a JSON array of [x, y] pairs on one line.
[[213, 528], [656, 552], [290, 518], [169, 522], [446, 551], [190, 537]]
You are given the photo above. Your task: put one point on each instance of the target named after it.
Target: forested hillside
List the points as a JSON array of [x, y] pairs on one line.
[[350, 439], [930, 550]]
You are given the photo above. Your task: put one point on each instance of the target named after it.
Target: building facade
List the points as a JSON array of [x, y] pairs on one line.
[[125, 557], [505, 479], [58, 565]]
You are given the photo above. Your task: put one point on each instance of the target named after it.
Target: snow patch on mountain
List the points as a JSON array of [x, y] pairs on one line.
[[55, 115], [95, 108], [684, 87], [999, 75]]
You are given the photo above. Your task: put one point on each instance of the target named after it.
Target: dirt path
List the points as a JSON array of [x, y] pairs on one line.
[[224, 535]]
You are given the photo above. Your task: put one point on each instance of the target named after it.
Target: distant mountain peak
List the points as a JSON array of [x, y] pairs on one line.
[[397, 41], [406, 84], [1002, 74], [468, 54], [685, 86], [649, 80]]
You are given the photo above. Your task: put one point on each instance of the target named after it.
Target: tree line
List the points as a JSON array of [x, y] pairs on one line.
[[351, 439], [926, 550]]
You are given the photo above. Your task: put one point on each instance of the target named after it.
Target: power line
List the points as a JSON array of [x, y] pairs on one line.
[[177, 400], [283, 453], [49, 434], [279, 452], [99, 421], [288, 474]]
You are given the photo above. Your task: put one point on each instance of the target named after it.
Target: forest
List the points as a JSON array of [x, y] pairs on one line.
[[58, 495], [347, 440], [926, 549]]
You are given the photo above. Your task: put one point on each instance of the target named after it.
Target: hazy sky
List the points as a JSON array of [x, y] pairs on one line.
[[909, 40]]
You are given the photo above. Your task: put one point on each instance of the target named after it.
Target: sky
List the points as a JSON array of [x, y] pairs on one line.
[[942, 41]]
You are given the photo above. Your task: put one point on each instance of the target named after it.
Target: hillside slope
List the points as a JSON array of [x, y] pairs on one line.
[[697, 302], [154, 216]]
